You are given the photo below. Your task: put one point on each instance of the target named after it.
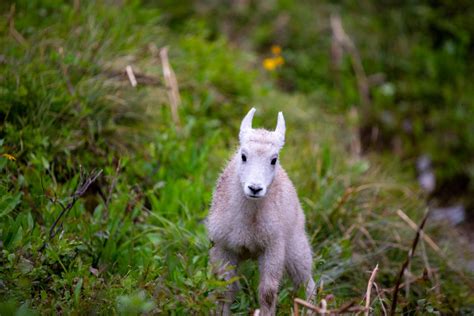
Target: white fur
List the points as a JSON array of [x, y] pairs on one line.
[[267, 225]]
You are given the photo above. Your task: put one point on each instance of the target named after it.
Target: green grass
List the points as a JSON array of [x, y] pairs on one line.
[[135, 242]]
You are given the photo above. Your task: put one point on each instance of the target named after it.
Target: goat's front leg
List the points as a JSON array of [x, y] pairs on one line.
[[271, 265], [225, 265]]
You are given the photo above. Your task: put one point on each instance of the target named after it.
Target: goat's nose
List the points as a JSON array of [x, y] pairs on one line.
[[255, 189]]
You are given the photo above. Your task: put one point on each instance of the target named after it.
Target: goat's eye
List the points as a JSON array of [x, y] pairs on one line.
[[274, 161], [244, 158]]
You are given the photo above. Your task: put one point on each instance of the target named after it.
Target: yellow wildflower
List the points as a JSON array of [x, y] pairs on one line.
[[276, 50], [279, 60], [274, 62], [9, 157], [269, 64]]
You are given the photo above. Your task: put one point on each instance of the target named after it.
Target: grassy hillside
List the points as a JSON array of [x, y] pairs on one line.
[[134, 242]]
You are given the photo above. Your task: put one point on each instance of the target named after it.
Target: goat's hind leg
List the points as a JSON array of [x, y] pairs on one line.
[[225, 265], [299, 263]]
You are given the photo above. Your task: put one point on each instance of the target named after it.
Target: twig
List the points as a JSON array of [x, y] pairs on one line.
[[344, 308], [436, 248], [412, 225], [142, 79], [348, 308], [131, 75], [81, 188], [299, 301], [77, 5], [407, 261], [11, 27], [342, 40], [296, 310], [369, 289], [171, 84], [324, 307]]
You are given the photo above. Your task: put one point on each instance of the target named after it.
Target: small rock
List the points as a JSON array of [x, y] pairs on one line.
[[427, 181], [423, 163], [455, 214], [426, 176]]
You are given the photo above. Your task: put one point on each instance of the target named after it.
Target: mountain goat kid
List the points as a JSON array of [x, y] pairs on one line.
[[255, 213]]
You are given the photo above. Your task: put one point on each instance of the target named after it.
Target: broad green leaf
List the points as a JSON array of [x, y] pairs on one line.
[[8, 203]]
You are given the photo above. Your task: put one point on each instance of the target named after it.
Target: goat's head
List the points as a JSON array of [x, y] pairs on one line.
[[258, 152]]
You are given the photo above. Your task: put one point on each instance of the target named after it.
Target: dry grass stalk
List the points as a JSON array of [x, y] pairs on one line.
[[11, 27], [436, 248], [425, 260], [381, 296], [369, 289], [77, 5], [141, 78], [366, 233], [429, 271], [412, 225], [171, 85], [348, 308], [324, 307], [84, 183], [131, 76], [343, 199], [341, 42], [407, 262]]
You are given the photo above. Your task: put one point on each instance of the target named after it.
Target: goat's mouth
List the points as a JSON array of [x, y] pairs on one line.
[[253, 196]]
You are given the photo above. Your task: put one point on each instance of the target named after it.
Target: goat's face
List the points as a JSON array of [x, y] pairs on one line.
[[258, 153]]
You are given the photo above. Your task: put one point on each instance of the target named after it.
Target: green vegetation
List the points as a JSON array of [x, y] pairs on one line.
[[417, 57], [135, 241]]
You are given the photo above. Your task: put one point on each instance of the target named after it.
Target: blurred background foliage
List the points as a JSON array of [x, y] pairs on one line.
[[417, 54], [135, 243]]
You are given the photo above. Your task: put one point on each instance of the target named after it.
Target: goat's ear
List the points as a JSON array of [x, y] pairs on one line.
[[280, 128], [246, 124]]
